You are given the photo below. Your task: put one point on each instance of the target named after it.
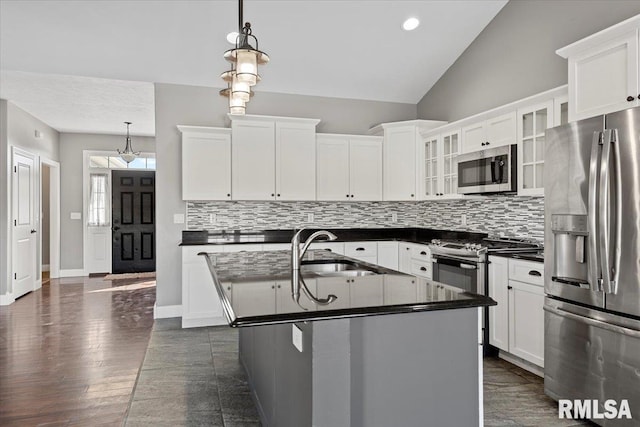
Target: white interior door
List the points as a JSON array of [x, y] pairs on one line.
[[24, 225]]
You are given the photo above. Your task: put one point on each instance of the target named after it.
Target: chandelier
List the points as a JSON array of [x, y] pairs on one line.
[[128, 155], [244, 59]]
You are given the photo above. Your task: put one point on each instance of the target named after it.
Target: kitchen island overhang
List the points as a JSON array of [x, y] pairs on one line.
[[393, 350]]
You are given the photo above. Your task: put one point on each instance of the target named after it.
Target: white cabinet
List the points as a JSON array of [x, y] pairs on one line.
[[415, 259], [516, 324], [490, 133], [367, 291], [388, 255], [273, 158], [401, 160], [284, 299], [404, 257], [348, 167], [533, 121], [335, 247], [440, 166], [254, 298], [364, 251], [206, 163], [603, 71], [200, 302]]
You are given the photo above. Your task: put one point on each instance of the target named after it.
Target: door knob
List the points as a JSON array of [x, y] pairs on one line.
[[115, 228], [33, 231], [630, 98]]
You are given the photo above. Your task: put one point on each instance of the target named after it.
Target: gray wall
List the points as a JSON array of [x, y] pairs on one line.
[[514, 56], [19, 128], [72, 146], [200, 106], [45, 228]]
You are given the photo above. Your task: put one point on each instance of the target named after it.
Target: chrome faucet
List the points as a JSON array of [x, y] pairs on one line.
[[297, 253]]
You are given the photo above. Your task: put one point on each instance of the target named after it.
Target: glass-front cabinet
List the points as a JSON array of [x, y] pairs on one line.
[[440, 166], [533, 121]]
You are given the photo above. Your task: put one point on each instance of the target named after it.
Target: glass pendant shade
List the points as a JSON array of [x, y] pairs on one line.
[[240, 90], [247, 66], [236, 105], [128, 155]]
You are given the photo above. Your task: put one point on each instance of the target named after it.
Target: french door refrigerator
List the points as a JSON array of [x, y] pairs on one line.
[[592, 262]]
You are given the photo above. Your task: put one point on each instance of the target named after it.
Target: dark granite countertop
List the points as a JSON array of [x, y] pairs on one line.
[[411, 234], [256, 288]]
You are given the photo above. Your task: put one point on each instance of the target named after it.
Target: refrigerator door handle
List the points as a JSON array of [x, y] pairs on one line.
[[604, 217], [593, 322], [592, 248]]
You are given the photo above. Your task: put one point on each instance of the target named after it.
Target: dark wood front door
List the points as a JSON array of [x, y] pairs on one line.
[[133, 206]]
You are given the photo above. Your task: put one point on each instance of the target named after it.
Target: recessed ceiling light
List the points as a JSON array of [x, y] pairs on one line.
[[410, 24], [232, 36]]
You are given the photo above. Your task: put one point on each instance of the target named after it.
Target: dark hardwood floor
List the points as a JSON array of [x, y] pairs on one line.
[[71, 351]]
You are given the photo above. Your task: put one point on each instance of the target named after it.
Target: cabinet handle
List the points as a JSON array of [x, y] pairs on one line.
[[228, 194], [278, 286], [412, 195], [482, 144], [273, 287], [423, 269], [272, 194], [423, 253], [630, 98], [407, 248], [359, 249], [534, 273], [509, 287], [347, 195], [487, 143], [352, 196], [278, 194]]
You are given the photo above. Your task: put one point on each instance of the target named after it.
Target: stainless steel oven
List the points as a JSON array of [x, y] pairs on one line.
[[463, 273], [488, 171]]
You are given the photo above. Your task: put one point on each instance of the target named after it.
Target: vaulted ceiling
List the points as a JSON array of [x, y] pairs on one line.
[[347, 49]]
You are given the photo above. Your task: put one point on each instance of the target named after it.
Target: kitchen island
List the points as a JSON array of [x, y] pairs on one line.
[[353, 345]]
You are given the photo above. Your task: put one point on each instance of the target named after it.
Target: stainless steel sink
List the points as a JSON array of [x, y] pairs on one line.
[[335, 268]]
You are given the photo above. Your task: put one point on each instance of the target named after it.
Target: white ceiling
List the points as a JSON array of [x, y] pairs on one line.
[[347, 49]]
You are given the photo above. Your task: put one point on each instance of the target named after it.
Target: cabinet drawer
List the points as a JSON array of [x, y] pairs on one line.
[[421, 253], [335, 247], [361, 249], [422, 269], [526, 271]]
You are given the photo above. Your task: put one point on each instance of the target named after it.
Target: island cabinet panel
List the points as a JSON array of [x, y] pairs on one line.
[[253, 160], [366, 291], [337, 286], [254, 297], [200, 302], [284, 300], [399, 163], [295, 161], [206, 163], [332, 173], [397, 290]]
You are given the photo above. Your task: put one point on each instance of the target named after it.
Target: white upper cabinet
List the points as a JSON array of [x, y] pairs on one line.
[[273, 158], [365, 169], [253, 155], [348, 167], [206, 163], [295, 161], [533, 121], [440, 166], [603, 71], [401, 159], [493, 132]]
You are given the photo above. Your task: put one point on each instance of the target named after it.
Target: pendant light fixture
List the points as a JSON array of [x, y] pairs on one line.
[[244, 59], [128, 155]]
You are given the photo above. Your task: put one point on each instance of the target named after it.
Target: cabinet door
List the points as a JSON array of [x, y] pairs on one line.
[[206, 165], [254, 298], [431, 168], [473, 136], [499, 314], [399, 164], [253, 160], [199, 296], [295, 161], [501, 130], [338, 286], [449, 175], [404, 258], [601, 79], [388, 255], [526, 318], [332, 168], [365, 169], [284, 299], [532, 123], [367, 291], [400, 289]]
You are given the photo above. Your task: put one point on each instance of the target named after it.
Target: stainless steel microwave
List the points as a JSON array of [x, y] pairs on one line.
[[488, 171]]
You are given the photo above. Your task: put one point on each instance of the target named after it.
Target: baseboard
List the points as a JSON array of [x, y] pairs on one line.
[[78, 272], [7, 299], [521, 363], [197, 322], [166, 311], [45, 267]]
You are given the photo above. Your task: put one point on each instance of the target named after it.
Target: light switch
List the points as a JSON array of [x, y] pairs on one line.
[[178, 218], [75, 215], [296, 335]]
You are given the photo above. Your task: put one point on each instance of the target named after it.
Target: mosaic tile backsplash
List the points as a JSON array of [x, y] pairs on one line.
[[506, 216]]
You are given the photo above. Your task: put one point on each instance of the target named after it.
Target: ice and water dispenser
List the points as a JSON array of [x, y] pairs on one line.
[[570, 235]]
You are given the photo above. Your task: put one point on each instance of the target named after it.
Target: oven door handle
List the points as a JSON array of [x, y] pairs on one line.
[[455, 263]]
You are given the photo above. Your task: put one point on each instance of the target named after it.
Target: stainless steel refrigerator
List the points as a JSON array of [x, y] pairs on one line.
[[592, 261]]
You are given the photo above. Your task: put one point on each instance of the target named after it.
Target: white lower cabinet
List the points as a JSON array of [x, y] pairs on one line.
[[363, 251], [388, 255], [516, 324], [415, 259], [366, 291], [200, 302], [254, 298]]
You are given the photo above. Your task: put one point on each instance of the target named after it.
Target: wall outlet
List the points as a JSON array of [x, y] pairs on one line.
[[310, 217], [463, 219], [75, 215], [213, 218], [178, 218], [394, 217]]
